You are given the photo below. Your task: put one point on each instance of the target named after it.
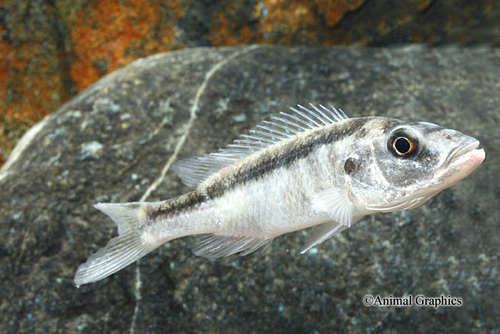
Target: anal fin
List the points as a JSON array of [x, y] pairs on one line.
[[214, 246]]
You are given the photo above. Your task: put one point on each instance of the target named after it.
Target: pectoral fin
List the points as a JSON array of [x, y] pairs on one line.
[[336, 203]]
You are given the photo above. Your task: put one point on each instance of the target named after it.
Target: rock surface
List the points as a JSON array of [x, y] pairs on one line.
[[114, 141]]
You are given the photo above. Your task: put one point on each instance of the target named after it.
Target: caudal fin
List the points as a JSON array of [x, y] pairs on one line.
[[121, 251]]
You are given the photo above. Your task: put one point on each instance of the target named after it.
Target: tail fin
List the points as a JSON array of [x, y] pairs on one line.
[[121, 251]]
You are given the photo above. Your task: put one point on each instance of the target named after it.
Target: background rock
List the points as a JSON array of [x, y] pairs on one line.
[[51, 50], [112, 141]]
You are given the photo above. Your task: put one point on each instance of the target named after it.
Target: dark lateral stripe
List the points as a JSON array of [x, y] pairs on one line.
[[352, 127], [177, 204]]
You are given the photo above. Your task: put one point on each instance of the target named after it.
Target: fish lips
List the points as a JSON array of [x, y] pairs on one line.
[[461, 162], [466, 155]]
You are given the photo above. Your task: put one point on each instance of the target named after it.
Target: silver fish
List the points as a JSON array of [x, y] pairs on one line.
[[313, 167]]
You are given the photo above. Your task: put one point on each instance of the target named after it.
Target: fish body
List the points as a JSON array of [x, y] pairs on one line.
[[311, 168]]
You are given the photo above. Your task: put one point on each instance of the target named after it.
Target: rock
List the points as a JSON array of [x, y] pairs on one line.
[[115, 141]]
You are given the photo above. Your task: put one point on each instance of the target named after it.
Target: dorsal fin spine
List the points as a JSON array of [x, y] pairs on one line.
[[280, 126], [308, 125], [271, 136], [316, 124], [330, 121], [257, 138], [335, 113], [315, 115], [339, 112], [285, 124], [257, 145], [273, 130]]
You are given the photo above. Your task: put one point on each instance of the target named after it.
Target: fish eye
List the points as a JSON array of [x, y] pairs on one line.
[[402, 145]]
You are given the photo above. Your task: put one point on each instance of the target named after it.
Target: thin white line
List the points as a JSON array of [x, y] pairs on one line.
[[22, 144], [192, 118], [180, 143], [138, 296]]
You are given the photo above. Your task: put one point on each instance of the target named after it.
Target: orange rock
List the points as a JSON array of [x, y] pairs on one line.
[[115, 33]]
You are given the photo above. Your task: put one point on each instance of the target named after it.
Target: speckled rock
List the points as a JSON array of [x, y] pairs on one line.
[[116, 140]]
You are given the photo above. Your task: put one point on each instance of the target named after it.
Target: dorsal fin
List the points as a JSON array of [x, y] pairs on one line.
[[194, 171]]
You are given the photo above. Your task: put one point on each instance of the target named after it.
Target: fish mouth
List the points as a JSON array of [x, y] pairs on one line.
[[464, 151], [461, 161]]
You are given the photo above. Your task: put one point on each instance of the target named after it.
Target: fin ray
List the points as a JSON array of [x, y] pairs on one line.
[[336, 204], [320, 233], [214, 246], [323, 114], [120, 251]]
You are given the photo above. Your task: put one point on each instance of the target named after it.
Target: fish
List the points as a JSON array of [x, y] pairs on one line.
[[313, 167]]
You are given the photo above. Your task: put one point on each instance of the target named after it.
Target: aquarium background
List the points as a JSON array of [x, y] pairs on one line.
[[115, 139]]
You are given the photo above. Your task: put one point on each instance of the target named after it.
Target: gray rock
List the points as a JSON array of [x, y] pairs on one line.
[[113, 142]]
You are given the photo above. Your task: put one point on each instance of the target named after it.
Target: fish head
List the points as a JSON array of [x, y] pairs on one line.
[[401, 165]]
